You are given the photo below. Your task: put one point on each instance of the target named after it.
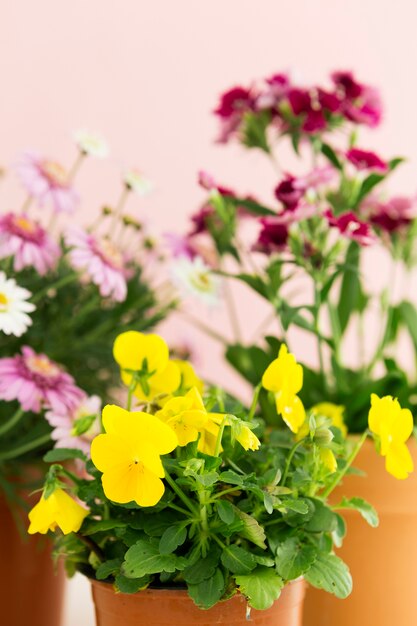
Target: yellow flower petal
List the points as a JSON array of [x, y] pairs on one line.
[[247, 439], [132, 348], [398, 461], [328, 459], [284, 375], [189, 378], [57, 510], [150, 489], [292, 412], [164, 381]]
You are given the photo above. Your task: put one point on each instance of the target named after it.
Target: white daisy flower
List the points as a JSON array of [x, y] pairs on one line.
[[194, 278], [92, 144], [14, 307], [137, 182]]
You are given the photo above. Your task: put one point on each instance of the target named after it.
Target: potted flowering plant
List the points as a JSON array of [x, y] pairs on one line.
[[305, 254], [190, 502], [62, 291]]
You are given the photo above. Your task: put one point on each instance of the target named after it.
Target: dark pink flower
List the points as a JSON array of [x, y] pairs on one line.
[[360, 103], [290, 191], [36, 382], [392, 215], [277, 87], [273, 236], [350, 226], [364, 160], [235, 100], [313, 104]]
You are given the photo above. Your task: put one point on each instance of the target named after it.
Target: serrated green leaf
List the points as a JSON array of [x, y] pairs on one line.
[[294, 558], [173, 537], [207, 593], [330, 573], [144, 558], [97, 526], [261, 587], [237, 560], [363, 507], [323, 519]]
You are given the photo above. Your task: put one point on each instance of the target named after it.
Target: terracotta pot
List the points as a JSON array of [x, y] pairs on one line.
[[31, 590], [166, 607], [383, 560]]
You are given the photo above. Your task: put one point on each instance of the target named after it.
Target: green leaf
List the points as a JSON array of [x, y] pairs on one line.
[[294, 558], [251, 205], [339, 532], [173, 537], [254, 130], [202, 569], [331, 155], [323, 519], [363, 507], [108, 568], [97, 526], [368, 184], [299, 506], [144, 558], [350, 288], [408, 315], [329, 572], [261, 587], [207, 593], [251, 529], [131, 585], [64, 454], [237, 560], [225, 511]]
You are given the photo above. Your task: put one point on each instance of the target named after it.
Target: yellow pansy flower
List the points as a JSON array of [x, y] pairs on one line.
[[284, 377], [59, 509], [189, 378], [328, 459], [128, 454], [393, 426], [247, 438], [186, 415], [146, 359], [244, 435], [335, 412]]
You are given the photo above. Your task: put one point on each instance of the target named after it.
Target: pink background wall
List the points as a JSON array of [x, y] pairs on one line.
[[147, 74]]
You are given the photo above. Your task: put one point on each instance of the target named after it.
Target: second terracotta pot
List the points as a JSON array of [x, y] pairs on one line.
[[383, 560], [31, 587], [165, 607]]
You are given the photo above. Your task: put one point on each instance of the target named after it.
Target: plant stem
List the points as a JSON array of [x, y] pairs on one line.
[[339, 475], [219, 437], [289, 459], [65, 280], [233, 316], [16, 417], [27, 447], [76, 166], [92, 545], [254, 404], [180, 493]]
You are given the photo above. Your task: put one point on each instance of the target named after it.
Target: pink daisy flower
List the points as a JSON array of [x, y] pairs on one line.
[[35, 381], [102, 261], [29, 243], [76, 428], [47, 182]]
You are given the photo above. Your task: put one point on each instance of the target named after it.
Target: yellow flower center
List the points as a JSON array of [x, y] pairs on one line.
[[25, 224], [55, 172], [110, 253], [201, 281], [3, 302], [42, 365]]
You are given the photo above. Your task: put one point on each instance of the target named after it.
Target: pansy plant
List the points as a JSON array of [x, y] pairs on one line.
[[190, 490]]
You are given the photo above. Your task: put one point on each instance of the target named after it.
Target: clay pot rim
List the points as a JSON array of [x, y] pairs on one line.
[[169, 592]]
